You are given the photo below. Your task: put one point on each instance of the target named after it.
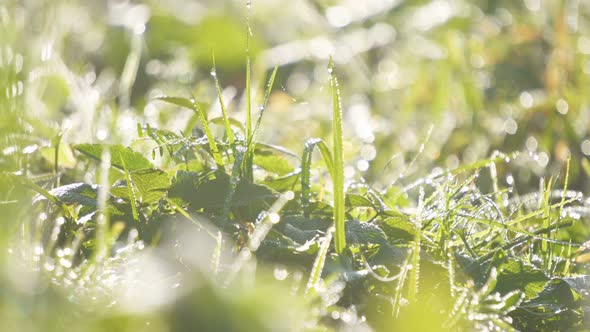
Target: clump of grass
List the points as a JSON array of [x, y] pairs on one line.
[[455, 246]]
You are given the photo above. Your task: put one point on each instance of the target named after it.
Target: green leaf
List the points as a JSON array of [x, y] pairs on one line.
[[211, 193], [364, 233], [517, 275], [354, 200], [399, 228], [287, 182], [553, 309], [179, 101], [271, 161], [150, 185], [75, 193], [133, 160]]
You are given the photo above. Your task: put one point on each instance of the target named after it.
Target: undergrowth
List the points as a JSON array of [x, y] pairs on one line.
[[213, 228]]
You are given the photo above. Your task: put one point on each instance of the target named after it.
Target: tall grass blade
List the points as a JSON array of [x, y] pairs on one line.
[[338, 159], [320, 260], [306, 169], [228, 131], [264, 104]]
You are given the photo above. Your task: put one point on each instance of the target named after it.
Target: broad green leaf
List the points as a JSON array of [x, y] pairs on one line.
[[211, 193], [287, 182], [75, 193], [364, 233], [271, 161], [65, 156], [150, 185], [354, 200], [133, 160], [399, 228], [517, 275]]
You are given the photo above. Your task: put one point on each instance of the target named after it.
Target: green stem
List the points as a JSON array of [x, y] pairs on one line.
[[338, 162]]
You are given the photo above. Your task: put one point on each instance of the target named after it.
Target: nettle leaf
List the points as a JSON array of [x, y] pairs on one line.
[[471, 267], [301, 229], [355, 200], [517, 275], [580, 284], [150, 185], [364, 233], [556, 307], [119, 154], [399, 228], [75, 193], [389, 256], [250, 192], [271, 161], [211, 193], [286, 182]]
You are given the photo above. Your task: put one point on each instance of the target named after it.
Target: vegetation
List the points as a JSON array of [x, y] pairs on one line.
[[141, 189]]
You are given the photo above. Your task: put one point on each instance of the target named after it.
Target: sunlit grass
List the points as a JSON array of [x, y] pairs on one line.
[[208, 219]]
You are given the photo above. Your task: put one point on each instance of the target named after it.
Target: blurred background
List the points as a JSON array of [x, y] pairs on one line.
[[484, 75], [444, 82]]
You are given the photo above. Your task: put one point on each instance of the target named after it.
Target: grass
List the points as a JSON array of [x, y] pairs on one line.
[[219, 218]]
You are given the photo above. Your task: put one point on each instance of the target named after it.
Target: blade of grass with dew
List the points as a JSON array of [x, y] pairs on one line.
[[320, 260], [338, 163], [415, 270], [249, 159], [546, 207], [264, 104], [306, 169], [56, 141], [130, 70], [228, 131]]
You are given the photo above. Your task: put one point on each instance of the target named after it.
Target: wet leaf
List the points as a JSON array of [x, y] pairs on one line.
[[133, 160]]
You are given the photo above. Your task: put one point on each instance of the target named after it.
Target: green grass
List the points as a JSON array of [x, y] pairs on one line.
[[219, 216]]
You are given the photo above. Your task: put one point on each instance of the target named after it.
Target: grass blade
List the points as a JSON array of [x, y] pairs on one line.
[[306, 169], [269, 86], [228, 131], [338, 159], [320, 260]]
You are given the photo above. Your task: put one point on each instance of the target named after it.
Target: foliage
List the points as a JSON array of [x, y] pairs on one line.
[[130, 205]]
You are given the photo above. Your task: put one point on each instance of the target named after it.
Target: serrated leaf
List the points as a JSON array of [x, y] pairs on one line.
[[150, 185], [354, 200], [271, 161], [517, 275], [398, 228], [287, 182], [364, 233], [75, 193], [211, 193], [133, 160]]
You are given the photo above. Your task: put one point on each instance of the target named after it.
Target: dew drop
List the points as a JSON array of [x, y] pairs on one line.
[[562, 106], [280, 273], [274, 218], [289, 195]]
